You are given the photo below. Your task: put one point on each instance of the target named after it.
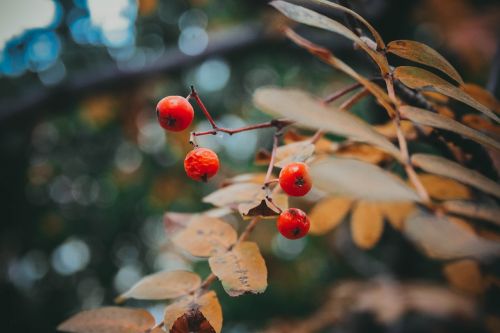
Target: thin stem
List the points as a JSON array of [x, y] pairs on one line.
[[347, 105], [318, 135], [338, 94], [229, 131], [271, 162], [194, 94]]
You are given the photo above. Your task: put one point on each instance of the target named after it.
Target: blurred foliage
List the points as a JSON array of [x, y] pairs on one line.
[[87, 173]]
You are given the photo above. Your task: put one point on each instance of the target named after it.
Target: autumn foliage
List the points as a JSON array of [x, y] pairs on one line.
[[438, 202]]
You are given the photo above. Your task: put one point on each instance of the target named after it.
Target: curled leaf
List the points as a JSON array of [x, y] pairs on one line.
[[241, 270], [195, 313], [163, 285], [109, 319], [206, 236]]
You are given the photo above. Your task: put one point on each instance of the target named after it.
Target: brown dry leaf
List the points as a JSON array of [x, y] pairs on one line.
[[206, 236], [314, 19], [396, 212], [162, 285], [367, 224], [465, 275], [194, 313], [418, 78], [436, 97], [293, 152], [423, 54], [442, 188], [309, 112], [241, 270], [262, 206], [233, 195], [445, 111], [482, 95], [328, 214], [446, 168], [109, 320], [359, 180], [481, 124], [389, 129], [427, 118], [363, 152], [442, 238], [477, 210]]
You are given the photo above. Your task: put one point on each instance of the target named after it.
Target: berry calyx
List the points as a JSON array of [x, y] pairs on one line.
[[293, 223], [174, 113], [295, 180], [201, 164]]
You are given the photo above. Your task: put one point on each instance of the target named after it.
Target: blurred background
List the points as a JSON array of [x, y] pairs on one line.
[[87, 173]]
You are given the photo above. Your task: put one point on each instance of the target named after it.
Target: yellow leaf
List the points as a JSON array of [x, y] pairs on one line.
[[443, 167], [367, 225], [443, 188], [328, 214], [396, 212], [363, 152], [465, 275], [241, 270]]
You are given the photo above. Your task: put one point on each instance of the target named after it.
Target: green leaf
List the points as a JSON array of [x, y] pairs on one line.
[[418, 78], [443, 167], [423, 54], [435, 120], [311, 113]]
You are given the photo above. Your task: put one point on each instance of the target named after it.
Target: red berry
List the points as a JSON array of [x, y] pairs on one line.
[[293, 223], [201, 164], [295, 179], [174, 113]]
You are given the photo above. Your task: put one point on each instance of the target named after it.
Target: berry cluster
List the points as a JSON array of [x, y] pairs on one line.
[[176, 114]]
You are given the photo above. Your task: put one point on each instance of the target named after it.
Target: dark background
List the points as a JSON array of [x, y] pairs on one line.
[[86, 174]]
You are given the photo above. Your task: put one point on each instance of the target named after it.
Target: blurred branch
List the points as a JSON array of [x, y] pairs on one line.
[[223, 42]]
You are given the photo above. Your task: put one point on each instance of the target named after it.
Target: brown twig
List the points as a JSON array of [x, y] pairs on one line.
[[347, 105], [338, 94]]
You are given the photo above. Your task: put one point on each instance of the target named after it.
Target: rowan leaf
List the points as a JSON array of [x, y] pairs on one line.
[[206, 236], [194, 313], [476, 210], [163, 285], [465, 275], [109, 319], [396, 212], [482, 95], [314, 19], [446, 168], [294, 152], [367, 224], [418, 78], [241, 270], [328, 214], [310, 113], [362, 152], [359, 180], [443, 238], [443, 188], [423, 54], [427, 118], [233, 195], [263, 206]]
